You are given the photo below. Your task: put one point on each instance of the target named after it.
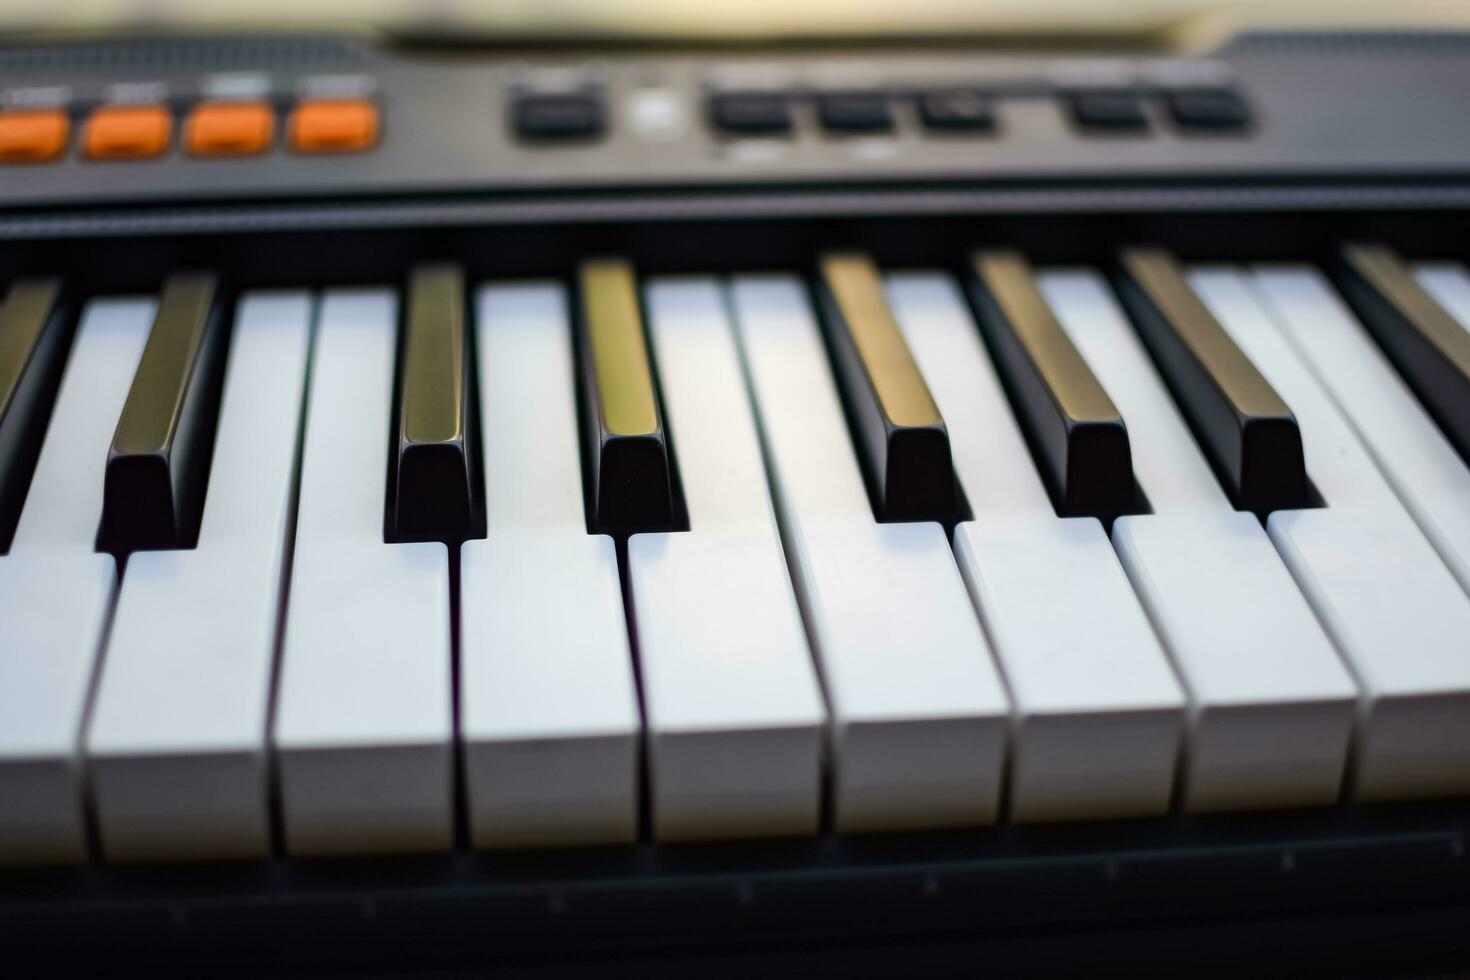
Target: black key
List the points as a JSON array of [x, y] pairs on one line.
[[158, 468], [900, 435], [751, 113], [855, 112], [1108, 110], [1430, 348], [956, 110], [566, 116], [35, 333], [1214, 109], [436, 484], [1074, 428], [1247, 431], [631, 482]]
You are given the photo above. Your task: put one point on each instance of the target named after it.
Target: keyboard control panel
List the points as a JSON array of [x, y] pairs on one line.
[[200, 121]]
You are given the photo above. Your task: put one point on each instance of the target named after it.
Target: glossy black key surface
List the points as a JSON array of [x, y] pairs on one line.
[[158, 467], [1248, 433], [630, 477], [900, 435], [35, 331], [436, 484], [1077, 433], [1430, 348]]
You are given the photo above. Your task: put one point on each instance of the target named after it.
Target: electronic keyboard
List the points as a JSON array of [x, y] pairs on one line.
[[715, 508]]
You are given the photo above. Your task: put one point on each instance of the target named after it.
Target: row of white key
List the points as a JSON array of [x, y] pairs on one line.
[[1096, 710], [735, 716], [56, 592], [1411, 451], [177, 740], [1391, 605], [1078, 692], [919, 712], [364, 723], [548, 704], [1271, 705]]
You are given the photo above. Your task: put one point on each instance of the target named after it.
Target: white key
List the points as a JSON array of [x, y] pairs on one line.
[[1449, 284], [176, 743], [1100, 713], [364, 720], [548, 704], [734, 712], [56, 592], [919, 713], [1413, 454], [1271, 705], [1392, 607]]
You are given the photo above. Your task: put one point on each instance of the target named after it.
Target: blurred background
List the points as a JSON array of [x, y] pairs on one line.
[[1167, 22]]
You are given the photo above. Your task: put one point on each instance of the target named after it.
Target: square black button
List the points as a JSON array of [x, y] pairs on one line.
[[1209, 108], [855, 112], [557, 117], [750, 113], [1108, 110], [956, 109]]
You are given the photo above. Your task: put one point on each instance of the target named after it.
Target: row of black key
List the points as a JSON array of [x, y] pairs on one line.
[[157, 467]]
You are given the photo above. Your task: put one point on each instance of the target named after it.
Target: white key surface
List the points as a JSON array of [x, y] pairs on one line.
[[1449, 284], [734, 712], [177, 739], [549, 707], [1099, 711], [919, 712], [1387, 600], [1414, 456], [1271, 704], [56, 592], [364, 720]]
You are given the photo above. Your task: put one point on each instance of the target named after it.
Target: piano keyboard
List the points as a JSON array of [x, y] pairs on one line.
[[632, 505], [515, 563]]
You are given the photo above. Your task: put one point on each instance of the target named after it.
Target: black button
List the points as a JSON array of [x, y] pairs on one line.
[[855, 112], [1209, 108], [557, 117], [750, 113], [956, 109], [1108, 110]]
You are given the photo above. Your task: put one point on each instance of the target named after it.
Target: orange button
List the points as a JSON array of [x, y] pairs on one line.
[[334, 126], [30, 135], [120, 132], [229, 128]]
